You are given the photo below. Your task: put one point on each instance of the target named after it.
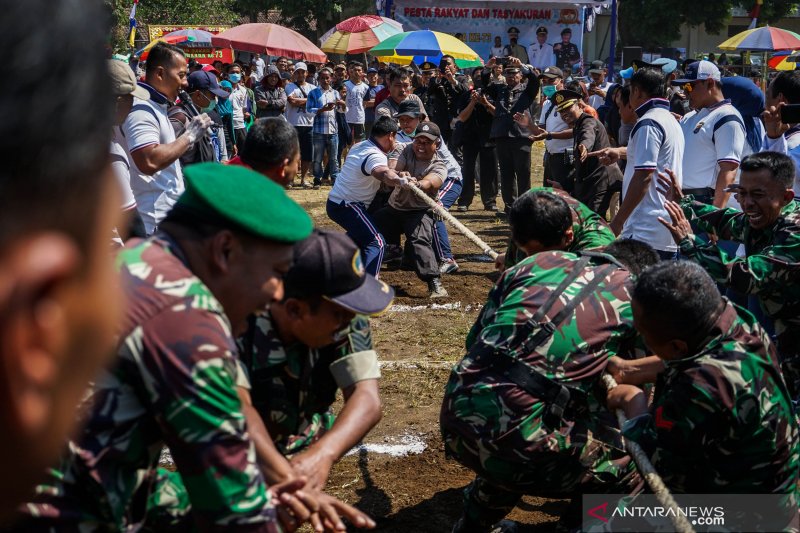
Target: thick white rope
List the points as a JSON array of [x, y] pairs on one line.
[[649, 473], [441, 211]]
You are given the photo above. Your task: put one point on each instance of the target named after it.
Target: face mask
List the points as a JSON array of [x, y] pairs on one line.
[[549, 90], [212, 105], [235, 78]]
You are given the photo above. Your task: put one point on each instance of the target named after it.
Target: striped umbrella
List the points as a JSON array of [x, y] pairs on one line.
[[358, 34], [143, 52], [764, 39], [425, 45], [784, 60], [191, 38]]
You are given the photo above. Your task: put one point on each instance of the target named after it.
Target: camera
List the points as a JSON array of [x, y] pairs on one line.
[[501, 61]]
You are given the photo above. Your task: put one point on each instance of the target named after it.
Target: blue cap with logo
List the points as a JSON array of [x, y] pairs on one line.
[[329, 264]]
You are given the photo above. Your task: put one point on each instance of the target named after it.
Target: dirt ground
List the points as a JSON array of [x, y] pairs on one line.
[[422, 492]]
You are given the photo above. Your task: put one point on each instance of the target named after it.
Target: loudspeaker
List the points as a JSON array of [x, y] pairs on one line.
[[629, 54]]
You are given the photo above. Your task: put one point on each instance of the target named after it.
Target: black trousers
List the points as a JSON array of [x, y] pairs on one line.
[[594, 192], [514, 155], [558, 168], [418, 227], [487, 175]]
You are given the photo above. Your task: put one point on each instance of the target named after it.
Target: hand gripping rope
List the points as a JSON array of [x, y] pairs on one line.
[[649, 473]]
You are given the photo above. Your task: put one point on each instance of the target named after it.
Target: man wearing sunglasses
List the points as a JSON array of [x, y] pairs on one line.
[[714, 134]]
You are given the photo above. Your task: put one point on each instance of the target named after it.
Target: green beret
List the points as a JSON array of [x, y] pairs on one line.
[[245, 198]]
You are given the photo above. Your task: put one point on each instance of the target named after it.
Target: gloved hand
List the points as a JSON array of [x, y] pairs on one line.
[[197, 127]]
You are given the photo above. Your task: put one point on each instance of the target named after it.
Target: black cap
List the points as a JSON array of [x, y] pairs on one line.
[[513, 31], [565, 98], [566, 31], [427, 65], [541, 29], [408, 108], [597, 67], [201, 80], [329, 264], [552, 73], [429, 130]]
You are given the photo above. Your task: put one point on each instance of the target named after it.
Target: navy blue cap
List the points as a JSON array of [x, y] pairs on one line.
[[329, 264], [202, 80], [371, 70]]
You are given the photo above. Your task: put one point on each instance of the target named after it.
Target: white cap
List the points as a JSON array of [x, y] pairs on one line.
[[699, 70], [301, 66]]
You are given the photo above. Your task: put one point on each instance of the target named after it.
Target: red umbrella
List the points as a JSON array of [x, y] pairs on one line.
[[269, 39]]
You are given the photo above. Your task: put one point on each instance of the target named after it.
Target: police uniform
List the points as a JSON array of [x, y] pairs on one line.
[[590, 230], [173, 382], [566, 54], [516, 50], [519, 409], [541, 54], [592, 179]]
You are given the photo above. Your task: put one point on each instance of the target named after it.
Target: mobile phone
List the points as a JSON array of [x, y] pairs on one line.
[[501, 61], [790, 114]]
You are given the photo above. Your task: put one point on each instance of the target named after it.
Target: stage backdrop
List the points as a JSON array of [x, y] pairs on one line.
[[480, 22]]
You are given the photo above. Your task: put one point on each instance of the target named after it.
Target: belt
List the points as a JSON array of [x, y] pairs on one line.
[[703, 191]]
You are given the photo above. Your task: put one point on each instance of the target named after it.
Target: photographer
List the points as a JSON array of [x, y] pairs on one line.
[[512, 144], [783, 136], [445, 92]]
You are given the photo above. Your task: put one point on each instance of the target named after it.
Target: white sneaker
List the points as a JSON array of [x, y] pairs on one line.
[[448, 266]]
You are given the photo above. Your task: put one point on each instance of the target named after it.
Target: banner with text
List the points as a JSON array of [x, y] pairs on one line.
[[206, 56], [481, 22]]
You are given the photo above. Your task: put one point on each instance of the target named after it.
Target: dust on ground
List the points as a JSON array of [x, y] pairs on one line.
[[417, 345]]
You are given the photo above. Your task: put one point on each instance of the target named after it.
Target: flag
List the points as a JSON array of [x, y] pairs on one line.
[[754, 13], [132, 36]]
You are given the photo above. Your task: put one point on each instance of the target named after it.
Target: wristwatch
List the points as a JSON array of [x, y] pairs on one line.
[[549, 136]]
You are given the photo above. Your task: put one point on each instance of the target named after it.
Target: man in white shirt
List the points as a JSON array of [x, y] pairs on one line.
[[714, 134], [557, 135], [656, 144], [297, 96], [541, 53], [599, 85], [240, 104], [157, 179], [258, 67], [356, 91], [498, 50], [784, 138], [363, 171]]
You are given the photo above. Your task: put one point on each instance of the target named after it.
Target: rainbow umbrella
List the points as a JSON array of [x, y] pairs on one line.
[[358, 34], [764, 39], [143, 52], [425, 45], [783, 60], [191, 37]]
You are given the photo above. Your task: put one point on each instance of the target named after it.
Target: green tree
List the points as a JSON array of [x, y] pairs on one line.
[[309, 17], [656, 23], [169, 12]]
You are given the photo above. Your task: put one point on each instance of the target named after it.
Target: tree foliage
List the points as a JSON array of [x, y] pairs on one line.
[[656, 23]]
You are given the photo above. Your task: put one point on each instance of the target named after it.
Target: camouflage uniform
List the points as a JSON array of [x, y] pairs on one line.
[[293, 387], [173, 382], [768, 271], [591, 230], [722, 420], [508, 436]]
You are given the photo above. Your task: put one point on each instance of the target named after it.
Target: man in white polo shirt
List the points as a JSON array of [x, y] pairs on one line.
[[366, 166], [656, 143], [554, 131], [297, 95], [157, 180], [714, 134]]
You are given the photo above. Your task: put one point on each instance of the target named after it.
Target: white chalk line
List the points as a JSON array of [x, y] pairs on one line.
[[415, 365], [454, 306], [402, 446]]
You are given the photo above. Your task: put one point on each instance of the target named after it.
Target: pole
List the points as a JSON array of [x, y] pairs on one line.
[[442, 212], [612, 52]]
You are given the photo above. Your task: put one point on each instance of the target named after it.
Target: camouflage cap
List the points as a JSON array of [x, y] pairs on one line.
[[246, 199]]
